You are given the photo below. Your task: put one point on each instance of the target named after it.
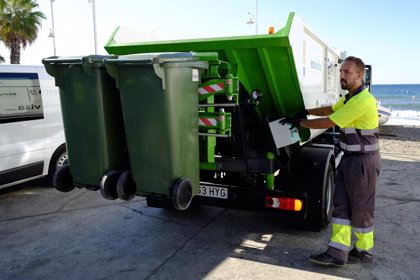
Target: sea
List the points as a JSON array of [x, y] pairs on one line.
[[404, 101]]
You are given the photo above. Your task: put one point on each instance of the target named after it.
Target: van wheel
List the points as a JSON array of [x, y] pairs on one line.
[[58, 159]]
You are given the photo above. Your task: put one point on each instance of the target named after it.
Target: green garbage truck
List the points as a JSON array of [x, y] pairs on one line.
[[201, 119]]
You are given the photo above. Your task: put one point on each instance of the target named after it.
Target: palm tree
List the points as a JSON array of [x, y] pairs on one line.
[[19, 24], [2, 60]]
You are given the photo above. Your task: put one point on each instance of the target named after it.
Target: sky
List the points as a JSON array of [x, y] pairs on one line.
[[384, 33]]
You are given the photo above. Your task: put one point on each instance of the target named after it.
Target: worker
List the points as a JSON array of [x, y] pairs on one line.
[[354, 197]]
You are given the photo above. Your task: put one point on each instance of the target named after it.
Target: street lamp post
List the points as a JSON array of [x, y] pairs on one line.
[[254, 19], [251, 20], [52, 31], [256, 16], [94, 24]]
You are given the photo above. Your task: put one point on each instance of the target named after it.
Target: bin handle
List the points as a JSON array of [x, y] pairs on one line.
[[159, 71], [128, 61], [58, 60]]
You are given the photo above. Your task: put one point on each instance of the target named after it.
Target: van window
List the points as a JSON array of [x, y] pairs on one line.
[[20, 97]]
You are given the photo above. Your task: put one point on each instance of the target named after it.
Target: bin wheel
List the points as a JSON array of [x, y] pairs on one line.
[[63, 180], [126, 188], [109, 185], [182, 194]]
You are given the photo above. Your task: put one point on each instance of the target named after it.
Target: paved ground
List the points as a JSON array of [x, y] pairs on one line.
[[45, 234]]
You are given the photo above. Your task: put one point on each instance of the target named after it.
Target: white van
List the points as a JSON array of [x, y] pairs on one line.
[[32, 141]]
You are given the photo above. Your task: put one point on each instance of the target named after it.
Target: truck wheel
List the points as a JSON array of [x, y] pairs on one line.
[[182, 194], [318, 183], [58, 159], [126, 188], [108, 185], [62, 180], [328, 194], [321, 201]]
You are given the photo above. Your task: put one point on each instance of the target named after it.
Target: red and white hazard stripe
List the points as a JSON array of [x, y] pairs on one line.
[[211, 88], [207, 122]]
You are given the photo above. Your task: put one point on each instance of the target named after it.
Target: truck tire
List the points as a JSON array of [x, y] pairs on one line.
[[320, 201], [313, 174], [328, 194], [58, 159]]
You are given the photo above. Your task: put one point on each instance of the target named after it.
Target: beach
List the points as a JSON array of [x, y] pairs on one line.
[[400, 139]]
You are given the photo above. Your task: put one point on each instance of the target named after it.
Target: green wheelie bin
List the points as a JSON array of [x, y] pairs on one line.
[[93, 124], [159, 96]]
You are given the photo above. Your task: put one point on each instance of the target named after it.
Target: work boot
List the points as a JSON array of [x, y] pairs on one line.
[[327, 259], [359, 257]]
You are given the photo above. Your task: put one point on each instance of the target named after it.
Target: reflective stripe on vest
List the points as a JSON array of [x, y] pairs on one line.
[[359, 140]]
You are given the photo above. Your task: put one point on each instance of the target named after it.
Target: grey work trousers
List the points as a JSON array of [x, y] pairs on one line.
[[354, 196]]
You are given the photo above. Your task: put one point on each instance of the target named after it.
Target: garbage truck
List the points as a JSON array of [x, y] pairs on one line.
[[197, 122]]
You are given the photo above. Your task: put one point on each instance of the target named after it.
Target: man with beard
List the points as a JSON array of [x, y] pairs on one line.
[[354, 198]]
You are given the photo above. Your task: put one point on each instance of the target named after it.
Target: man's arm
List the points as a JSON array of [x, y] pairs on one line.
[[317, 123], [321, 122], [321, 111], [299, 120]]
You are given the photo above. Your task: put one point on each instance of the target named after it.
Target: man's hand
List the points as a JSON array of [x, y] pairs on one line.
[[294, 122]]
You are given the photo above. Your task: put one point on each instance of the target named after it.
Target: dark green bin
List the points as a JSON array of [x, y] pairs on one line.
[[159, 96], [92, 118]]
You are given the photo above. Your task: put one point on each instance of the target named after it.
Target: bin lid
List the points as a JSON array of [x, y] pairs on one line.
[[95, 59], [62, 60], [90, 59], [162, 58]]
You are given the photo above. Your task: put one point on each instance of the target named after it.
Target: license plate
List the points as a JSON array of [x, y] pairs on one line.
[[212, 191]]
